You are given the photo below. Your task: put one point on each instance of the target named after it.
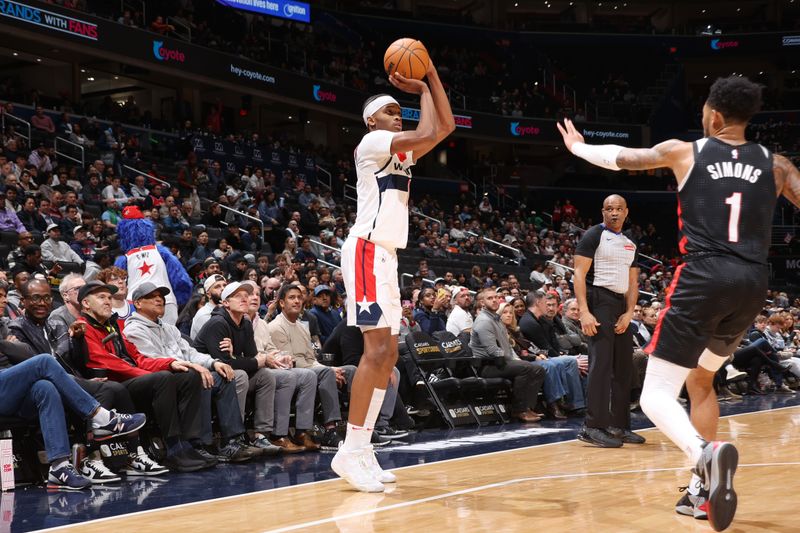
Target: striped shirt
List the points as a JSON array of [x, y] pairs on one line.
[[613, 255]]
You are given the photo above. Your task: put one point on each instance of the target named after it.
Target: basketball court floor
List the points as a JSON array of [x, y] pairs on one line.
[[510, 478]]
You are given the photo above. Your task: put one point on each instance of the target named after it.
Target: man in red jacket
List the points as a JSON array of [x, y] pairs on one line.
[[166, 387]]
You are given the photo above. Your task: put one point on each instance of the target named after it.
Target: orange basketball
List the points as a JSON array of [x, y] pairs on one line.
[[408, 57]]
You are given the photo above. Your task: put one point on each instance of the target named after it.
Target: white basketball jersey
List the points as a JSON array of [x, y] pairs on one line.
[[384, 180]]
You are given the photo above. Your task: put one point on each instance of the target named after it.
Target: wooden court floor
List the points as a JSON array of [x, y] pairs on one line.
[[559, 487]]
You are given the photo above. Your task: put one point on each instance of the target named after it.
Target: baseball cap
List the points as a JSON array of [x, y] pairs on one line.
[[52, 226], [438, 280], [94, 286], [77, 229], [319, 289], [146, 288], [455, 291], [235, 287], [210, 261], [211, 280]]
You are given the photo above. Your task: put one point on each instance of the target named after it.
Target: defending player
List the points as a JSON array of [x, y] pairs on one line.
[[727, 190], [369, 263]]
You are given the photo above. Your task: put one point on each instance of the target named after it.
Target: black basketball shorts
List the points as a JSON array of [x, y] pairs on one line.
[[711, 303]]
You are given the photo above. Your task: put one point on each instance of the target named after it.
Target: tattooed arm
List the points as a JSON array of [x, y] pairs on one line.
[[787, 179], [673, 154]]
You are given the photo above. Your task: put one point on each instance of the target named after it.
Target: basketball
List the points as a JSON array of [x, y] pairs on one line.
[[408, 57]]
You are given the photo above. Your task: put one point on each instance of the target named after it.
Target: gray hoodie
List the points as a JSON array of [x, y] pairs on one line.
[[159, 339]]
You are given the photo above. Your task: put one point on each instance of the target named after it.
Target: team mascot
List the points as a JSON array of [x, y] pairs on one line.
[[144, 260]]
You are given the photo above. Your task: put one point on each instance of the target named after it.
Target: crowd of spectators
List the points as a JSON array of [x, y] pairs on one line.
[[264, 329]]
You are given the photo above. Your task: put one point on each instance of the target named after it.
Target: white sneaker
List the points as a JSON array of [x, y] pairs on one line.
[[356, 468], [378, 473], [733, 373], [140, 464], [93, 468]]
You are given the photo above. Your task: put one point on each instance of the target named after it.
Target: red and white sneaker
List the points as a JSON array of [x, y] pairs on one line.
[[716, 467]]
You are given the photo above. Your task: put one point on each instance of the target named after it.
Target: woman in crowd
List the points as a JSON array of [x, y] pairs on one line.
[[184, 323], [430, 312]]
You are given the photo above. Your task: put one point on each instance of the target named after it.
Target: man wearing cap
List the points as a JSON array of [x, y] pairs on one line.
[[43, 337], [460, 319], [213, 287], [8, 217], [166, 387], [54, 249], [210, 267], [327, 317], [228, 336], [156, 339]]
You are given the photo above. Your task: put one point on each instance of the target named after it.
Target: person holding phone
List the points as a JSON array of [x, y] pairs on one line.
[[430, 312]]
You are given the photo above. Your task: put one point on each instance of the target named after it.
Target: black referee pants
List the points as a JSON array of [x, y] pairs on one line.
[[608, 391]]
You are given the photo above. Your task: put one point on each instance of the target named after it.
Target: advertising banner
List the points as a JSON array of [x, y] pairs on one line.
[[285, 9]]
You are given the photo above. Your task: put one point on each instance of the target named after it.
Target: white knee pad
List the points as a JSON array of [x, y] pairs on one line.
[[663, 382], [711, 361]]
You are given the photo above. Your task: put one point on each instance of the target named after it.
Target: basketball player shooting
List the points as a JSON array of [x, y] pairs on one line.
[[369, 261], [727, 191]]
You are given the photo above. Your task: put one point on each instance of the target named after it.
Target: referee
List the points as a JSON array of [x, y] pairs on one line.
[[606, 286]]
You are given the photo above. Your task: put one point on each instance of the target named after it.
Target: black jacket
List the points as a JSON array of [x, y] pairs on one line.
[[539, 333], [221, 326], [36, 336]]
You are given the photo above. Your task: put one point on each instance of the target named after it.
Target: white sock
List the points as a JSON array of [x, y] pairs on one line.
[[58, 463], [360, 436], [659, 401], [101, 418], [695, 485]]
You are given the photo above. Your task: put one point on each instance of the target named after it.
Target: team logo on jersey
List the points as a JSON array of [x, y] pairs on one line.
[[735, 153]]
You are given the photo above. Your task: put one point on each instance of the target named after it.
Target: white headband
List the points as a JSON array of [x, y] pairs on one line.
[[376, 104]]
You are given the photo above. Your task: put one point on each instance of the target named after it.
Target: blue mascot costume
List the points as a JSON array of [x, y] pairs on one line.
[[144, 260]]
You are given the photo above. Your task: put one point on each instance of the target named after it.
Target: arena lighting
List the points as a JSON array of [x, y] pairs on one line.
[[14, 54], [90, 78], [38, 60]]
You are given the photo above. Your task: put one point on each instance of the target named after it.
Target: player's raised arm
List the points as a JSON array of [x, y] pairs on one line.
[[672, 154], [425, 134], [445, 124], [787, 179]]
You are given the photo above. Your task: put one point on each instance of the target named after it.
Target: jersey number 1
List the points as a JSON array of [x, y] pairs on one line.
[[735, 201]]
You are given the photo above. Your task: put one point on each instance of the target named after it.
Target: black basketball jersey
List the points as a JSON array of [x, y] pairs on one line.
[[726, 203]]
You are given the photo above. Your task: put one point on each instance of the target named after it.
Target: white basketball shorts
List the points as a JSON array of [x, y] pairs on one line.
[[370, 279]]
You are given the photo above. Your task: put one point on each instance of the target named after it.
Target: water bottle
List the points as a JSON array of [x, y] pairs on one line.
[[78, 454]]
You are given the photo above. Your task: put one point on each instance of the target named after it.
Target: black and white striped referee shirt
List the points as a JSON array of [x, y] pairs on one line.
[[613, 255]]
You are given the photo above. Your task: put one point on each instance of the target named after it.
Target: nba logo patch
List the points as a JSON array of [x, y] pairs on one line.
[[735, 153]]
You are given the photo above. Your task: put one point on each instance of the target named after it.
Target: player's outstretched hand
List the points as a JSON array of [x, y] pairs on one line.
[[570, 134], [408, 85]]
